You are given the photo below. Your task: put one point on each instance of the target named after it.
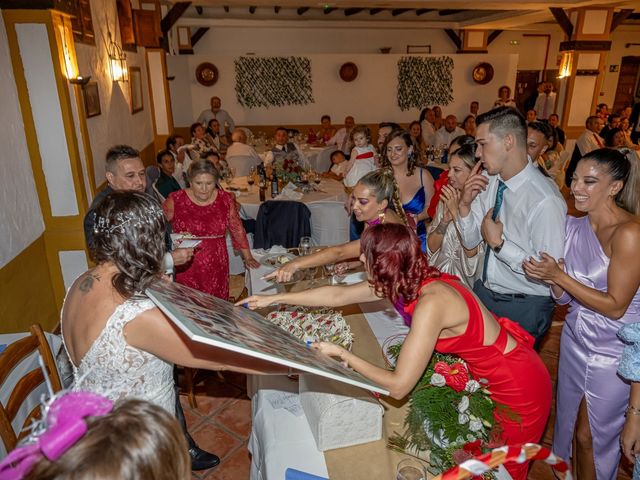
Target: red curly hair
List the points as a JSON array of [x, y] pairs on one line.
[[396, 263]]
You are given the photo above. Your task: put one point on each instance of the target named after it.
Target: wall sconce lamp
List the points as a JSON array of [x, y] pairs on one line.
[[566, 65], [117, 61], [80, 80]]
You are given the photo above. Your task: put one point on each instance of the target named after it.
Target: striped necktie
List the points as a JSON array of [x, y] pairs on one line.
[[496, 210]]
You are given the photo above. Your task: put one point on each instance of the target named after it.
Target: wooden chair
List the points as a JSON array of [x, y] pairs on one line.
[[14, 354]]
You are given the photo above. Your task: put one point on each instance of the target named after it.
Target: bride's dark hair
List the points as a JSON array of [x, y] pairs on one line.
[[129, 231]]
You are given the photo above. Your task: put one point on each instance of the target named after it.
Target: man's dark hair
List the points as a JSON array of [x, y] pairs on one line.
[[117, 153], [282, 128], [612, 117], [504, 120], [590, 119], [162, 154], [172, 140], [542, 127], [393, 125]]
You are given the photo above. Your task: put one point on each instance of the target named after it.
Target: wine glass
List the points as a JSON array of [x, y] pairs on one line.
[[251, 178], [317, 178], [304, 246], [410, 469], [330, 269]]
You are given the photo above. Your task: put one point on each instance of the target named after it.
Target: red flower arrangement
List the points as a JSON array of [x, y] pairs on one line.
[[455, 375]]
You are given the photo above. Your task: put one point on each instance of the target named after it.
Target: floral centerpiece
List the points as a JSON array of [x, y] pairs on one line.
[[451, 415], [287, 166]]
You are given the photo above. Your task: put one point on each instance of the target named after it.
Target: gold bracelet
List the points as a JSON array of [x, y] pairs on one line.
[[633, 410]]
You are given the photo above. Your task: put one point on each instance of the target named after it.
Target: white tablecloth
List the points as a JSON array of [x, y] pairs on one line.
[[329, 220], [20, 370], [316, 158]]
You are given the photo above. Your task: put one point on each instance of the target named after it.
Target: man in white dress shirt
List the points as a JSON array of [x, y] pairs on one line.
[[546, 102], [587, 142], [227, 125], [448, 131], [342, 138], [428, 127], [518, 212], [239, 148]]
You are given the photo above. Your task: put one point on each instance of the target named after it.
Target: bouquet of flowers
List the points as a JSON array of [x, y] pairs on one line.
[[451, 415], [287, 166]]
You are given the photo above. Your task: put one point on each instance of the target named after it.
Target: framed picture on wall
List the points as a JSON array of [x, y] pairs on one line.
[[91, 99], [135, 89]]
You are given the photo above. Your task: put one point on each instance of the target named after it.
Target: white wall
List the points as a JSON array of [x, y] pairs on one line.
[[116, 124], [370, 98], [21, 220]]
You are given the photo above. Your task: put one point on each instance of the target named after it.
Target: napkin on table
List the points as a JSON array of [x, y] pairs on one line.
[[293, 474]]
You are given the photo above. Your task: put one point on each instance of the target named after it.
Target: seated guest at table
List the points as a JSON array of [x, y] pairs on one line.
[[384, 129], [181, 155], [442, 314], [531, 116], [614, 138], [338, 166], [373, 201], [227, 124], [165, 184], [281, 147], [598, 275], [504, 98], [421, 147], [204, 210], [469, 125], [415, 191], [448, 131], [200, 141], [613, 121], [362, 159], [327, 131], [554, 121], [626, 131], [221, 165], [444, 249], [239, 148], [342, 138], [427, 119], [213, 131], [149, 442]]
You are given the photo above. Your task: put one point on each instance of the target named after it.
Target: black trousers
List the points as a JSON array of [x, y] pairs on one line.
[[531, 312], [180, 412]]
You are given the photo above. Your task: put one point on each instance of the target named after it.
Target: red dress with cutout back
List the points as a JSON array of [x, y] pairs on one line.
[[517, 379]]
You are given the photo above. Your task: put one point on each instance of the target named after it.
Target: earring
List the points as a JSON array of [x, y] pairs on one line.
[[381, 214]]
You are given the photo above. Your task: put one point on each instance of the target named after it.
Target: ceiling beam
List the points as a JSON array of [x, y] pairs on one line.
[[620, 17], [493, 35], [563, 20], [399, 11], [302, 10], [375, 11], [422, 11], [195, 38], [446, 12], [199, 9], [352, 11], [455, 38], [172, 16]]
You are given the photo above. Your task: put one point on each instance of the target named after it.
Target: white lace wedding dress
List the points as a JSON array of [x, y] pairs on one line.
[[113, 368]]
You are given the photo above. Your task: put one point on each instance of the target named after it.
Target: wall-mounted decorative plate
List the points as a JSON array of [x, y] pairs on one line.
[[348, 72], [482, 73], [207, 74]]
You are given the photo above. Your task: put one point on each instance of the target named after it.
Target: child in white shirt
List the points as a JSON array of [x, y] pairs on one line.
[[362, 160]]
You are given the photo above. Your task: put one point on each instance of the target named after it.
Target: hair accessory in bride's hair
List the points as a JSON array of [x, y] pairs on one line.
[[62, 424], [103, 226]]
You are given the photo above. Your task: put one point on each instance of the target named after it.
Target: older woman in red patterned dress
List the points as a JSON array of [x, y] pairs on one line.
[[204, 210]]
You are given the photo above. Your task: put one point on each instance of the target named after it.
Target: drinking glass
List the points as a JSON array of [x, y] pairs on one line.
[[410, 469], [305, 246], [251, 178]]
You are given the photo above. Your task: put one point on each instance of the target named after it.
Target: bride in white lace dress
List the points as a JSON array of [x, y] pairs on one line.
[[119, 343]]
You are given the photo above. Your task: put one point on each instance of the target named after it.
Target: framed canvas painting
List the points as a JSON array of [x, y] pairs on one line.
[[135, 89], [91, 98]]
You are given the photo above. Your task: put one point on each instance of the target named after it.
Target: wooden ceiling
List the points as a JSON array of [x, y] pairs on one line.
[[495, 14]]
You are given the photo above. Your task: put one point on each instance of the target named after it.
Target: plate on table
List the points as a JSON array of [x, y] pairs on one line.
[[276, 260]]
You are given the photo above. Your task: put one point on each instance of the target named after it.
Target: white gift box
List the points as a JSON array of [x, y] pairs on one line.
[[339, 415]]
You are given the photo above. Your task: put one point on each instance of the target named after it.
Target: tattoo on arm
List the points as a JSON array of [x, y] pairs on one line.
[[87, 282]]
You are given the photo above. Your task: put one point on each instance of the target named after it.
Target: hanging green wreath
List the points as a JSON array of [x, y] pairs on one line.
[[273, 81], [424, 81]]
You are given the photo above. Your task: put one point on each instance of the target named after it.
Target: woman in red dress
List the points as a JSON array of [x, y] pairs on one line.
[[443, 315], [204, 210]]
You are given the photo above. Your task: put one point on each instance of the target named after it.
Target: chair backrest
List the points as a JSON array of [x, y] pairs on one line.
[[281, 222], [324, 159], [329, 223], [242, 164], [15, 353]]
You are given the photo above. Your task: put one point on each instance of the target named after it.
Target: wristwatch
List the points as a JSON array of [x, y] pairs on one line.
[[497, 248]]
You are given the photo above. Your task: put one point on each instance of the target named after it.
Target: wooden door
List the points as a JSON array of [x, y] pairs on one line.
[[526, 84], [627, 81]]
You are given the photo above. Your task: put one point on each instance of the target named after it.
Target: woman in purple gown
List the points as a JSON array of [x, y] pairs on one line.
[[600, 282]]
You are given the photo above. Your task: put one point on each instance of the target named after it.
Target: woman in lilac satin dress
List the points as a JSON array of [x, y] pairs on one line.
[[601, 287]]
